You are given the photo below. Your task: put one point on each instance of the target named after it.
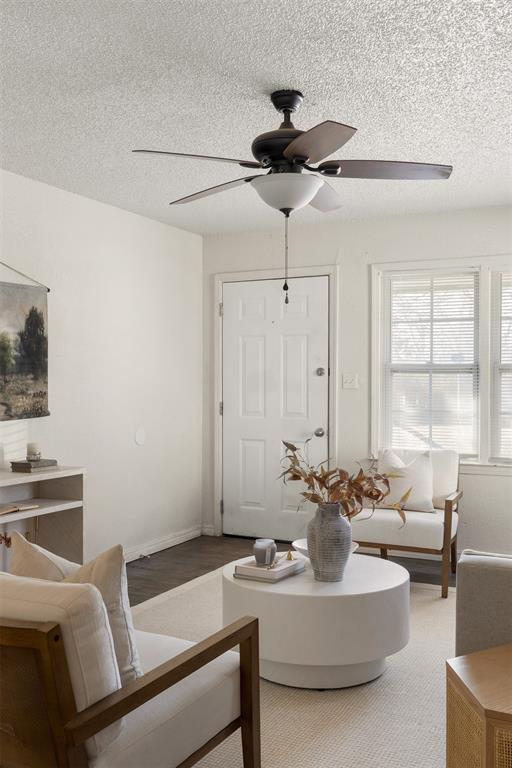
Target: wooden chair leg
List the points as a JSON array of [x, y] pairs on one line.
[[250, 702], [445, 572], [453, 555], [384, 553]]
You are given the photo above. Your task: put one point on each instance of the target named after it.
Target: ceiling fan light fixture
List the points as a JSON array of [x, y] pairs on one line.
[[287, 190]]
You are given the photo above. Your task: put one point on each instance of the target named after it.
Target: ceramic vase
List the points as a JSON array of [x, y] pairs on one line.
[[329, 543]]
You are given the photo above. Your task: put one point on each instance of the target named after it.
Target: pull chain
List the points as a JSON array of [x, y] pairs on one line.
[[285, 284]]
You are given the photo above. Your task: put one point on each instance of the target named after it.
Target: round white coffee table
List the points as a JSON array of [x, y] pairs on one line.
[[325, 635]]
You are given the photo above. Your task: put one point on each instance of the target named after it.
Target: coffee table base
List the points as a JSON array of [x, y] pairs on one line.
[[319, 676]]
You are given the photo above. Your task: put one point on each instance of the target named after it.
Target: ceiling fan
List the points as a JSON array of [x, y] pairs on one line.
[[286, 153]]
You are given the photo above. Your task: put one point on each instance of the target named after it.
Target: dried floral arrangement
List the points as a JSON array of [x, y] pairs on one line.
[[337, 486]]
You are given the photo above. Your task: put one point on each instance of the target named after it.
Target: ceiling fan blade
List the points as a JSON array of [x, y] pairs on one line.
[[326, 199], [383, 169], [243, 163], [319, 142], [212, 190]]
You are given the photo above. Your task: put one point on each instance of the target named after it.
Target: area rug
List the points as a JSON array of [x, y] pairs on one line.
[[396, 721]]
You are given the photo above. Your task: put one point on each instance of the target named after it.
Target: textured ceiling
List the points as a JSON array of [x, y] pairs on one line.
[[84, 81]]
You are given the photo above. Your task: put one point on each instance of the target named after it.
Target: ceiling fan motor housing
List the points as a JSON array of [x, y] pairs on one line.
[[268, 148]]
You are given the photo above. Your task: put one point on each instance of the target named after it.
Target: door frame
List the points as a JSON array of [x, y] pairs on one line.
[[332, 272]]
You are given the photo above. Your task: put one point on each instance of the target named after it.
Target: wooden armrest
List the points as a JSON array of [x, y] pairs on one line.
[[10, 634], [451, 501], [137, 692]]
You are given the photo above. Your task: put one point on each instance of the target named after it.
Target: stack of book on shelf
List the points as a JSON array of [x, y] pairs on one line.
[[30, 465], [280, 570]]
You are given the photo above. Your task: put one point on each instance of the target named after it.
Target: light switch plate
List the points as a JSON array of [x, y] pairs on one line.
[[350, 381]]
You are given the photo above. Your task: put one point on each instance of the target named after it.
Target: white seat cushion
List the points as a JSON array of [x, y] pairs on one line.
[[385, 527], [170, 727]]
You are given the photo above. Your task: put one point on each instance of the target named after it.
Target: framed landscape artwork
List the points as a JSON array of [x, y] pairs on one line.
[[23, 352]]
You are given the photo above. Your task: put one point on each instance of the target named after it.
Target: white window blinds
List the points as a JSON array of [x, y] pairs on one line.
[[431, 361], [501, 361]]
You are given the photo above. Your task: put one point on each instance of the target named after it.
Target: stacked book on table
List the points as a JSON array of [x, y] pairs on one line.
[[281, 570], [36, 465]]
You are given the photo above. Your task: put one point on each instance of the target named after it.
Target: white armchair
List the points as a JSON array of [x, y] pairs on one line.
[[189, 698], [426, 532]]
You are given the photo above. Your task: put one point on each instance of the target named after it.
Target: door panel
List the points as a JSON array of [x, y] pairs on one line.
[[252, 377], [252, 473], [294, 391], [272, 392]]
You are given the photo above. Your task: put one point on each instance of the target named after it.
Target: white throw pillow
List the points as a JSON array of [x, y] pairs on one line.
[[107, 572], [417, 475], [82, 616], [30, 560]]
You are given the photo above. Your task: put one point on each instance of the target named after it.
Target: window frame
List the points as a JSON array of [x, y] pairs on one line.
[[485, 266], [496, 364]]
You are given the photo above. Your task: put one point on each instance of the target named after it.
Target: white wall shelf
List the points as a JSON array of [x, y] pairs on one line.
[[8, 478], [44, 507], [57, 522]]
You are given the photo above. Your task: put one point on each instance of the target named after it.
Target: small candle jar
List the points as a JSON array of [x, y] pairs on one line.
[[264, 551], [33, 452]]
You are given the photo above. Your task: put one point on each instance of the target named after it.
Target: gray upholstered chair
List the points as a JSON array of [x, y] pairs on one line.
[[484, 601]]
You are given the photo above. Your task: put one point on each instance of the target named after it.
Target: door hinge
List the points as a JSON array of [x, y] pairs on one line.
[[221, 408], [221, 309], [222, 506]]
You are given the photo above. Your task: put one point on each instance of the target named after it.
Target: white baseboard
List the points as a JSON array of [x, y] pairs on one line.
[[210, 530], [156, 545]]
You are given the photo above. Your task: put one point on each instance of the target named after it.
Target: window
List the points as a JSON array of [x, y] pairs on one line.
[[442, 359], [431, 377], [501, 357]]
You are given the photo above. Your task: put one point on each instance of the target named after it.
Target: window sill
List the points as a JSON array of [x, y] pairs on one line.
[[474, 468]]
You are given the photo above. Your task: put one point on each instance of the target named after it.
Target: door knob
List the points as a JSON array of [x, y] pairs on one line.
[[319, 432], [320, 371]]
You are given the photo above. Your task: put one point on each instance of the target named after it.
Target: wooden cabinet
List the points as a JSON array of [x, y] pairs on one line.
[[479, 709], [57, 523]]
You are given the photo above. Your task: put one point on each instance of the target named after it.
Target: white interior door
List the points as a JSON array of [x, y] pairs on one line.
[[275, 388]]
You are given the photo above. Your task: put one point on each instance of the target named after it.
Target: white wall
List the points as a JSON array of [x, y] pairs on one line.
[[125, 328], [354, 246]]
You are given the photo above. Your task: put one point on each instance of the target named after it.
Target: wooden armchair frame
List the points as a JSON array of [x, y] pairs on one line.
[[449, 549], [38, 719]]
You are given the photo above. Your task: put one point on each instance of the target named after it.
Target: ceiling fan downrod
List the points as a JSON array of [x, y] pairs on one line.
[[286, 102]]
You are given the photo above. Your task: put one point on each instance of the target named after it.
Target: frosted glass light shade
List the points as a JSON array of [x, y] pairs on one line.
[[287, 190]]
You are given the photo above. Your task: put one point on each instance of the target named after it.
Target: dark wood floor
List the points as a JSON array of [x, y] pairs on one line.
[[171, 567]]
